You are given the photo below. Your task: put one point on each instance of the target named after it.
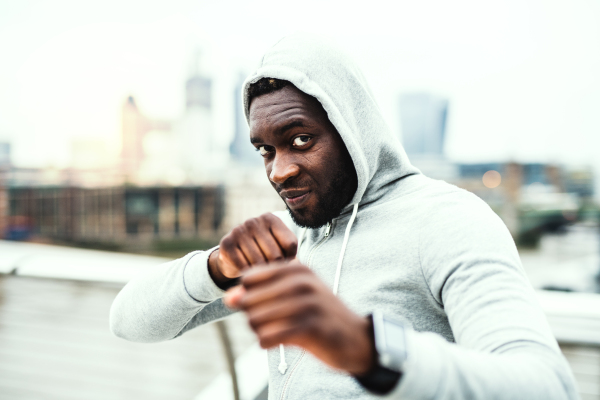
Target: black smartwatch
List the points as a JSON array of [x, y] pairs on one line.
[[389, 337]]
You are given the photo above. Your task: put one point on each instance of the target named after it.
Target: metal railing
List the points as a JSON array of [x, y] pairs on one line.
[[229, 356]]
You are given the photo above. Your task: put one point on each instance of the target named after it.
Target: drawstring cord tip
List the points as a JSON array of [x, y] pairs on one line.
[[282, 367]]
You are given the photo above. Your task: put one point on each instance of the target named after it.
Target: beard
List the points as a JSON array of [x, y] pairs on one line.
[[331, 200]]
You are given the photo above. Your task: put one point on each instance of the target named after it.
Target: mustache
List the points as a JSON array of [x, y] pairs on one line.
[[293, 184]]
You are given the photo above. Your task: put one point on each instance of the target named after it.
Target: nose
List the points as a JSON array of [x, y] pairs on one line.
[[282, 169]]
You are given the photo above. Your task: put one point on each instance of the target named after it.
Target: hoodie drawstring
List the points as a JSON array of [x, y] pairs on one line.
[[336, 283], [282, 364], [338, 271]]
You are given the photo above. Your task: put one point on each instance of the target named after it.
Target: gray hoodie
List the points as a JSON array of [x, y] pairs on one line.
[[419, 250]]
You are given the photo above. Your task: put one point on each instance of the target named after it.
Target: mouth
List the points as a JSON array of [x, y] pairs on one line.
[[295, 198]]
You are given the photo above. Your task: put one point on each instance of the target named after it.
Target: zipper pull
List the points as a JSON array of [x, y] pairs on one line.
[[327, 229]]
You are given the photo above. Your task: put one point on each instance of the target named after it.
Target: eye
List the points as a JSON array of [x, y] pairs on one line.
[[301, 141], [264, 150]]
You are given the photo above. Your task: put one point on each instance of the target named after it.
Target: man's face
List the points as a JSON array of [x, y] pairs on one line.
[[305, 158]]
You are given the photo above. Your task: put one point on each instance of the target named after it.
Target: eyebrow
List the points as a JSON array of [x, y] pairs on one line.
[[280, 131], [294, 124]]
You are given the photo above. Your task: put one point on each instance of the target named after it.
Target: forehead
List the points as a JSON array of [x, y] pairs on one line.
[[273, 109]]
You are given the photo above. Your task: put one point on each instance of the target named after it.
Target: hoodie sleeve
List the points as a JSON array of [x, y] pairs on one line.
[[504, 347], [168, 300], [171, 299]]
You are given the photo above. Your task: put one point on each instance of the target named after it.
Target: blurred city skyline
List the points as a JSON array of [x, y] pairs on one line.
[[122, 130], [521, 77]]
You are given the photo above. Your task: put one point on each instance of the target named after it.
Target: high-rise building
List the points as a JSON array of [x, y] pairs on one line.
[[135, 126], [201, 156], [3, 210], [423, 121], [4, 165], [4, 155], [132, 135], [241, 150], [198, 92]]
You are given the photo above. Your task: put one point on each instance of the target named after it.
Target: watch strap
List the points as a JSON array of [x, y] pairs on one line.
[[379, 380]]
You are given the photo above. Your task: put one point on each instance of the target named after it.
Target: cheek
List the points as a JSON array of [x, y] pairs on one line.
[[321, 162]]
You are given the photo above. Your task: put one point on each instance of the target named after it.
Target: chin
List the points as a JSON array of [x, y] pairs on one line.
[[301, 218], [306, 218]]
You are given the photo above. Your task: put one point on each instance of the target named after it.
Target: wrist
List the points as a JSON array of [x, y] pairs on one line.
[[215, 273], [363, 349], [389, 339]]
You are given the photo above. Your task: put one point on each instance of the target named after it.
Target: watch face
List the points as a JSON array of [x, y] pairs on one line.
[[390, 341], [394, 336]]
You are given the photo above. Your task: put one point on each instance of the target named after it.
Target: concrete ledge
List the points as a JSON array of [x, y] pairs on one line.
[[48, 261], [573, 317]]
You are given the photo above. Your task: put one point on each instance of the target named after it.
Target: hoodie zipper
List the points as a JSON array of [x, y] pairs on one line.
[[323, 239], [327, 229], [312, 251]]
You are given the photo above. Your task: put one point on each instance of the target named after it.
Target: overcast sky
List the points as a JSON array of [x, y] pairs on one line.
[[522, 77]]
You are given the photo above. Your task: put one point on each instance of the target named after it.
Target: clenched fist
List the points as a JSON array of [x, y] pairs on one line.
[[257, 241], [287, 303]]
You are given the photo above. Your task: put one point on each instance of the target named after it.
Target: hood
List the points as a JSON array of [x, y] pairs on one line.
[[325, 72]]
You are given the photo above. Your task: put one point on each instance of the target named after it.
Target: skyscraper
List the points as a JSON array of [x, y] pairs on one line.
[[198, 92], [423, 121], [4, 154], [241, 150], [132, 135], [4, 164], [201, 156], [134, 128]]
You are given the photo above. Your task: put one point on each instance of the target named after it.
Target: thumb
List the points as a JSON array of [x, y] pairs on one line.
[[233, 296]]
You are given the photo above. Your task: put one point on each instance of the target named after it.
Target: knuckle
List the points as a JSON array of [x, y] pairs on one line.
[[311, 307], [226, 242], [306, 287], [255, 225], [297, 268], [267, 217], [311, 327], [297, 331], [235, 232], [245, 279], [245, 301], [251, 223], [241, 230], [266, 341], [262, 334], [293, 244], [301, 286], [253, 322]]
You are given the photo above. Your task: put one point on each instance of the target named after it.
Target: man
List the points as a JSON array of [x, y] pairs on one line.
[[378, 280]]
